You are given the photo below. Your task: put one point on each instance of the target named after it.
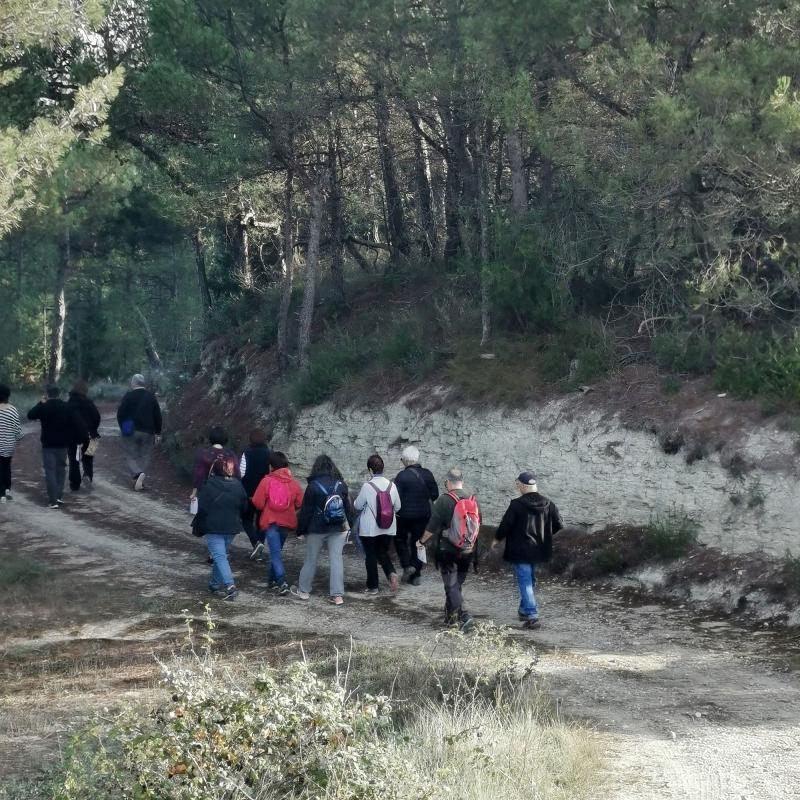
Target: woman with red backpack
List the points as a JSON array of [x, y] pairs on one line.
[[278, 497], [378, 503]]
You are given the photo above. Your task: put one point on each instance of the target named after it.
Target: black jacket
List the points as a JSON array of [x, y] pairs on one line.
[[417, 489], [310, 519], [528, 527], [220, 505], [87, 411], [257, 461], [61, 426], [141, 406]]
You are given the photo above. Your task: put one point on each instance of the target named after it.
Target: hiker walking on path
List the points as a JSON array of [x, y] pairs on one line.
[[139, 418], [417, 489], [528, 527], [325, 518], [205, 458], [10, 434], [378, 503], [253, 467], [277, 497], [221, 502], [61, 429], [81, 456], [454, 526]]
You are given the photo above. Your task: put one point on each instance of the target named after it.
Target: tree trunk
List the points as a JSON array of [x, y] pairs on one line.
[[312, 259], [151, 350], [422, 173], [336, 220], [287, 268], [483, 221], [56, 357], [202, 274], [519, 182], [398, 236]]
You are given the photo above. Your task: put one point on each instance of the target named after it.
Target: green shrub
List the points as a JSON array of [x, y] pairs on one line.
[[332, 362], [607, 560], [683, 351], [670, 535], [17, 570], [670, 385], [580, 353]]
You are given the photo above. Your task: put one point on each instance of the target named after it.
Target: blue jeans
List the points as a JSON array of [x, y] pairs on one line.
[[526, 580], [276, 538], [221, 575]]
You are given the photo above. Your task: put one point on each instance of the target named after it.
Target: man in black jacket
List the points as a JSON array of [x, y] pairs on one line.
[[139, 418], [61, 429], [528, 527], [417, 489], [79, 456]]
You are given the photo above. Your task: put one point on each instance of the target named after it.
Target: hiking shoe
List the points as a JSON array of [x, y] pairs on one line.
[[60, 501], [54, 505], [231, 592], [214, 589], [414, 581], [370, 593], [257, 550], [283, 589], [336, 600], [408, 573], [532, 624], [138, 484], [295, 590], [467, 624], [3, 499]]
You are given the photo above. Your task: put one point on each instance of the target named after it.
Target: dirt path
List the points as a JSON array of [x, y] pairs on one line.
[[689, 708]]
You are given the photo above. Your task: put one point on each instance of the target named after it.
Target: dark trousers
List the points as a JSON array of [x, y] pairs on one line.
[[78, 459], [250, 525], [54, 460], [409, 532], [5, 474], [454, 573], [376, 551]]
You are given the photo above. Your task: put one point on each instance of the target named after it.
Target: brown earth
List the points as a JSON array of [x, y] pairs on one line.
[[688, 706]]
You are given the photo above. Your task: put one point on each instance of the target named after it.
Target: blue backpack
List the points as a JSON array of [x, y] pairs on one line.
[[333, 512]]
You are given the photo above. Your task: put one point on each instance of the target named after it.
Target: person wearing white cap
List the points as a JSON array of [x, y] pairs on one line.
[[527, 528]]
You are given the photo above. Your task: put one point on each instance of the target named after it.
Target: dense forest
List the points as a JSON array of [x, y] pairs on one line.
[[598, 182]]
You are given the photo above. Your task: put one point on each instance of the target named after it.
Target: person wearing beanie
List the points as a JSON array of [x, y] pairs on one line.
[[527, 528]]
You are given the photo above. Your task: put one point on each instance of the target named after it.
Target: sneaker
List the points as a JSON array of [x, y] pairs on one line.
[[138, 484], [336, 600], [408, 573], [394, 582], [467, 624], [60, 501], [257, 550], [295, 590], [283, 589], [214, 589], [414, 581], [532, 624], [54, 505], [231, 592], [9, 496], [3, 499], [370, 593]]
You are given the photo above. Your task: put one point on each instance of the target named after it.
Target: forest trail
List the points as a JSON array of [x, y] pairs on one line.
[[689, 709]]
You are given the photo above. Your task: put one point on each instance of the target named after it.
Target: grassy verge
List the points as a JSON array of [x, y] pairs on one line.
[[464, 717]]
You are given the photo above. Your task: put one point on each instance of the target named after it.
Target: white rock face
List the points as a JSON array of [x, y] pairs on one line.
[[596, 470]]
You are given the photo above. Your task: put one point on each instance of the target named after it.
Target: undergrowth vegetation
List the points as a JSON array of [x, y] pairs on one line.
[[463, 717]]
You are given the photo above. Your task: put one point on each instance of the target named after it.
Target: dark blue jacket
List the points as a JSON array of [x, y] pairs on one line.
[[310, 519], [220, 505], [417, 488], [257, 461]]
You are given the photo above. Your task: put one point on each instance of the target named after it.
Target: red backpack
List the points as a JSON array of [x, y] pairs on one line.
[[384, 508], [279, 497], [465, 525]]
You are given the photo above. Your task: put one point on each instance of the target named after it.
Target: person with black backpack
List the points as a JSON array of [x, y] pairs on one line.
[[454, 526], [528, 527], [253, 467], [418, 490], [325, 518], [378, 503]]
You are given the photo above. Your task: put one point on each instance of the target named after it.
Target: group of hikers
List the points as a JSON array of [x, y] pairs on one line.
[[257, 492]]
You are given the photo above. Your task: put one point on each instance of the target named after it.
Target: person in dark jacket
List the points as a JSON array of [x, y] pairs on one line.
[[61, 429], [325, 518], [79, 456], [221, 502], [139, 418], [417, 489], [528, 527], [253, 467], [205, 457]]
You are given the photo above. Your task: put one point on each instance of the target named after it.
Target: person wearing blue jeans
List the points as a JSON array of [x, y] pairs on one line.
[[275, 537], [221, 502], [527, 528]]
